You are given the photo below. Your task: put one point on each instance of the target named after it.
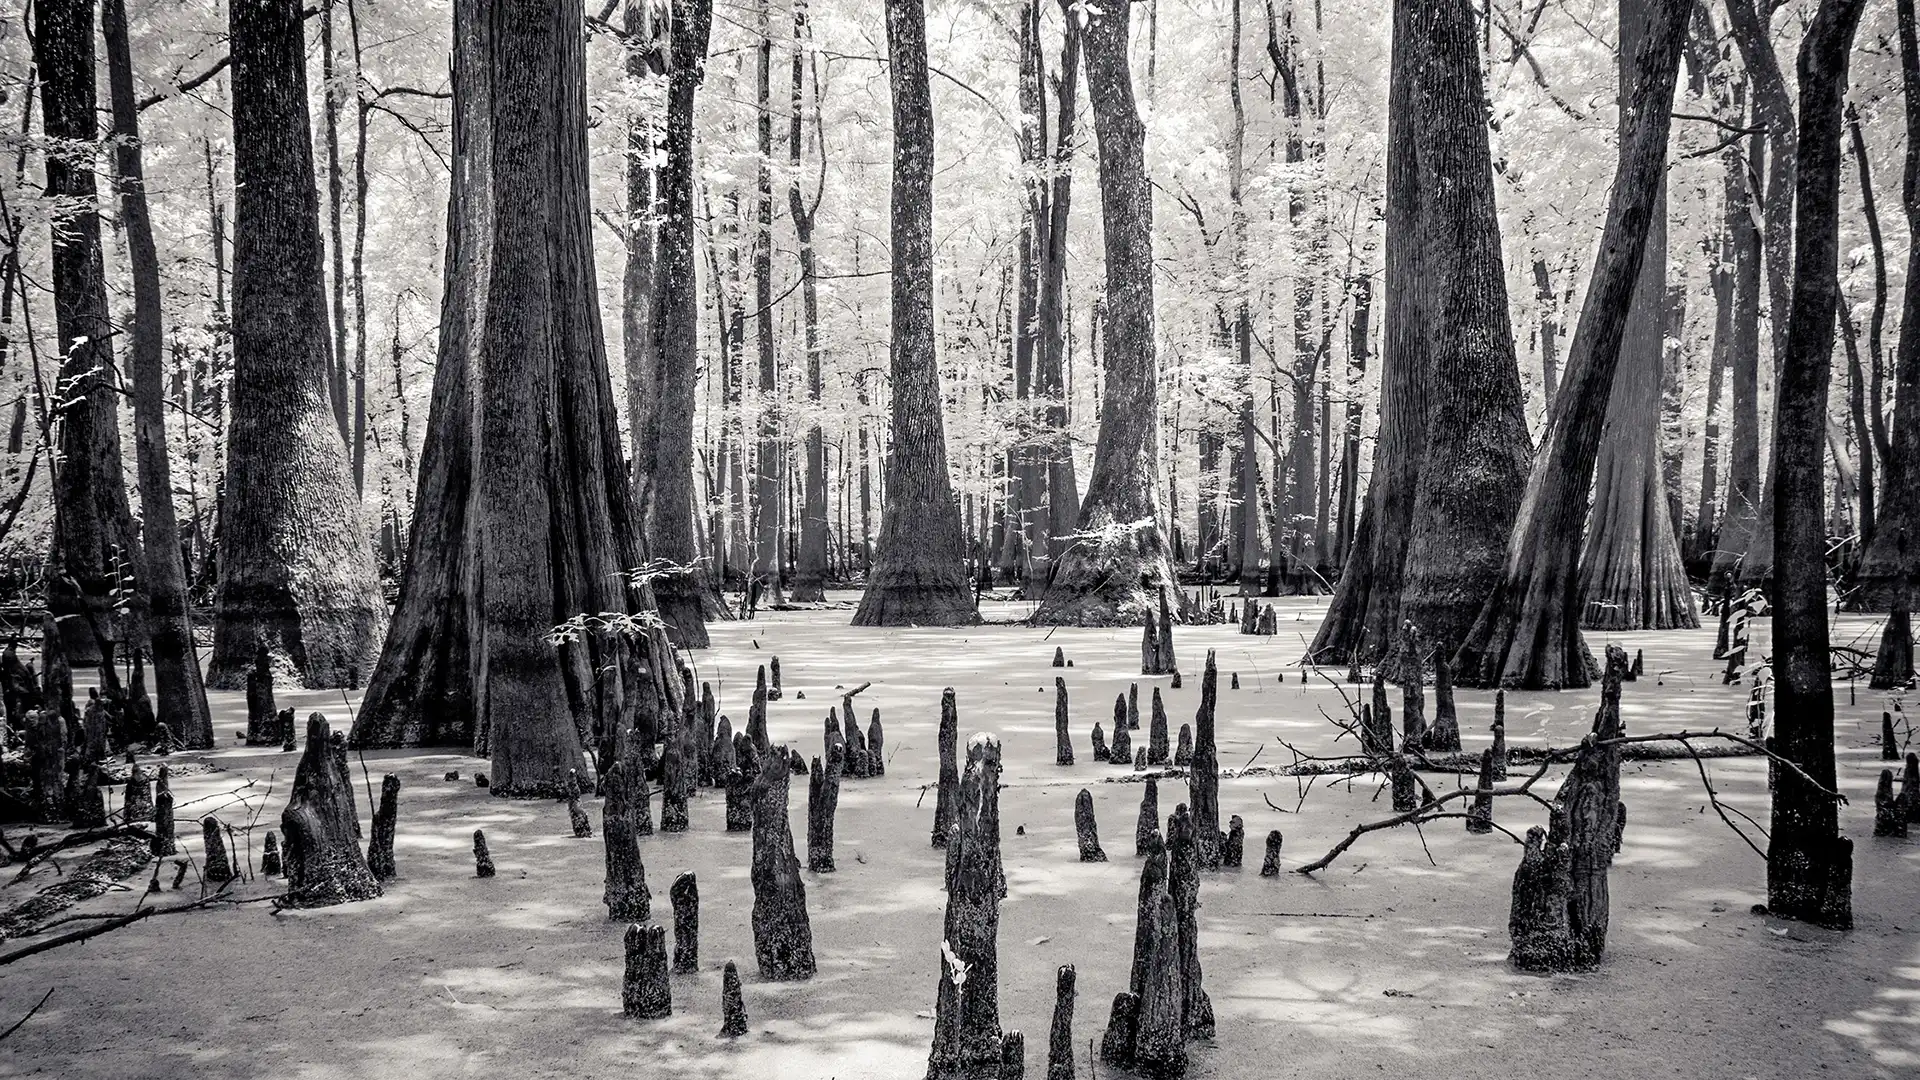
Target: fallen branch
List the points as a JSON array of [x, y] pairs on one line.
[[29, 1016], [108, 925]]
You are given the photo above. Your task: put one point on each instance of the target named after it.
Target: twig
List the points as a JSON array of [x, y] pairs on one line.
[[29, 1016]]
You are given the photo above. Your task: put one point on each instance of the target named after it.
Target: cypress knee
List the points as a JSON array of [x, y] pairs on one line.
[[1910, 787], [685, 894], [1121, 752], [47, 745], [1889, 810], [1062, 740], [1060, 1037], [1500, 735], [876, 747], [967, 1040], [1889, 742], [1133, 706], [1157, 732], [482, 861], [944, 802], [1100, 750], [823, 797], [218, 865], [782, 933], [269, 856], [1537, 923], [774, 693], [1480, 818], [1443, 736], [1203, 778], [740, 784], [262, 726], [385, 819], [1059, 657], [162, 844], [1148, 825], [1084, 828], [136, 801], [324, 865], [1183, 887], [1235, 844], [644, 991], [733, 1004], [1405, 790], [676, 781], [720, 758], [1183, 751], [626, 894], [1270, 866]]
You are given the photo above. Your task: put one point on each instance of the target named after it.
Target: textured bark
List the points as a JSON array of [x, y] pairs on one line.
[[1631, 573], [946, 798], [810, 571], [1060, 1037], [1119, 560], [966, 1025], [1062, 482], [1809, 864], [1451, 459], [1085, 830], [733, 1005], [323, 861], [1528, 631], [1148, 824], [1891, 562], [1183, 882], [262, 717], [385, 818], [685, 894], [645, 991], [687, 595], [93, 539], [182, 696], [296, 564], [823, 798], [482, 859], [626, 894], [919, 576], [1062, 740], [1893, 661], [1203, 776], [782, 933]]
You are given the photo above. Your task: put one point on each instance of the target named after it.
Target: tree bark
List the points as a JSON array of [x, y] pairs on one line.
[[687, 592], [1528, 632], [296, 563], [93, 539], [182, 697], [810, 570], [919, 576], [1809, 864], [1119, 560], [1892, 561], [1050, 362]]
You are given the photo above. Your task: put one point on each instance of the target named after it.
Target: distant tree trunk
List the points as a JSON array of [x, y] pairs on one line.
[[1704, 56], [1706, 514], [1113, 573], [1027, 531], [1549, 331], [1358, 345], [1631, 575], [688, 595], [919, 576], [1451, 458], [181, 696], [93, 539], [1751, 547], [810, 573], [1892, 561], [1858, 404], [296, 562], [646, 28], [1246, 517], [1528, 632], [336, 243], [1052, 361], [1741, 514], [769, 458], [1809, 864]]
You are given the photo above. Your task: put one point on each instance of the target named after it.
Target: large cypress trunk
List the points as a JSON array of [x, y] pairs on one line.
[[1528, 633], [919, 575], [1892, 561], [1112, 573], [296, 565], [93, 541], [1049, 372], [1631, 574], [686, 593], [1809, 864], [810, 571], [1452, 451], [182, 697]]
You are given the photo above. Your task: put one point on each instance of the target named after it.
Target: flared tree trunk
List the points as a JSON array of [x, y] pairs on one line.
[[296, 562], [181, 695], [550, 525], [1631, 574], [687, 593], [1892, 561], [1809, 864], [1119, 560], [93, 540], [1451, 457], [1528, 632], [919, 575]]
